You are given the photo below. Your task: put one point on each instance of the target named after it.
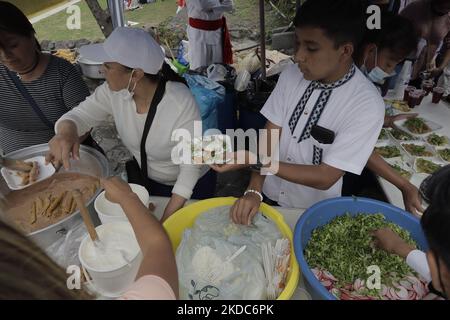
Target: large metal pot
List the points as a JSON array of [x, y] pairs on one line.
[[91, 69], [91, 162]]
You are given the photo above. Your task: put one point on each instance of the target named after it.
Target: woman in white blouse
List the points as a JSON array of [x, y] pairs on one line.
[[148, 101]]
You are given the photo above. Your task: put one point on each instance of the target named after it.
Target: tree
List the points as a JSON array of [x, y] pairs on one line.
[[103, 17]]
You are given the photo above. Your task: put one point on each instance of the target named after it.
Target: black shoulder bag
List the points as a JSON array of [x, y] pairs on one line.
[[140, 175]]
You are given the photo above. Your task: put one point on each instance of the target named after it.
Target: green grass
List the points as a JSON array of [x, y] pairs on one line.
[[247, 14], [54, 28]]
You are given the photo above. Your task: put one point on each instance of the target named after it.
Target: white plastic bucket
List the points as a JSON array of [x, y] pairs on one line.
[[111, 212], [113, 281]]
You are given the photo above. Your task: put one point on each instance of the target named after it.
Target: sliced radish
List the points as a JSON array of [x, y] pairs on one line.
[[388, 294], [336, 292], [358, 285], [413, 280], [406, 284], [418, 288], [412, 295], [384, 290], [317, 273], [393, 294], [327, 283], [348, 287], [329, 276], [345, 296], [402, 293]]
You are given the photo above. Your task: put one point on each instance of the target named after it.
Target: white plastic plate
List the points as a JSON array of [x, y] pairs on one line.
[[432, 125], [14, 182]]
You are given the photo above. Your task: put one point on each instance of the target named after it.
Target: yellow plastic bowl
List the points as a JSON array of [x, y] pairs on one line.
[[185, 217]]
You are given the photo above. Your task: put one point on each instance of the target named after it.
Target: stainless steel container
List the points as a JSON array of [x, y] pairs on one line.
[[91, 69], [91, 162]]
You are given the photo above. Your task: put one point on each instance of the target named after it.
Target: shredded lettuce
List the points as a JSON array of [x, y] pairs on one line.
[[344, 248]]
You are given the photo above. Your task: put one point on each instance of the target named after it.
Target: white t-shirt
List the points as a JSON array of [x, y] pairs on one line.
[[417, 260], [207, 10], [354, 112], [177, 109]]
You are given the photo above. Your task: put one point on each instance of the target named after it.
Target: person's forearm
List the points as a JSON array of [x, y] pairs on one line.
[[158, 258], [67, 127], [256, 182], [315, 176], [445, 60], [431, 51], [176, 202], [142, 220], [380, 167]]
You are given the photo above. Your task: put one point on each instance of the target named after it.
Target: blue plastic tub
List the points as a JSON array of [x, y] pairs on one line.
[[324, 211]]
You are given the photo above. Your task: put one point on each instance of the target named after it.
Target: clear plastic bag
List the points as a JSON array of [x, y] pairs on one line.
[[65, 251], [204, 251]]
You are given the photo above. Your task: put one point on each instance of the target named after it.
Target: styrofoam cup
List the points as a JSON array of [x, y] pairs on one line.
[[112, 282], [111, 212]]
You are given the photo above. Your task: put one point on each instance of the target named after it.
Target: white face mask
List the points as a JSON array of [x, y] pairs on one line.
[[376, 75], [126, 94]]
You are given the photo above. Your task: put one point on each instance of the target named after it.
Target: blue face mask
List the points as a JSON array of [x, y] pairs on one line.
[[376, 75]]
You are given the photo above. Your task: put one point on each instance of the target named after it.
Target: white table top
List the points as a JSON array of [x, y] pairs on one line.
[[439, 113]]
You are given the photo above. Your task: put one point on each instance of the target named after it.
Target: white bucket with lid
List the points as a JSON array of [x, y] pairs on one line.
[[112, 212], [114, 268]]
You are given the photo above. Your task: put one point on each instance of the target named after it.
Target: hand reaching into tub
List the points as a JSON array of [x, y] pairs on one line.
[[117, 190], [386, 239]]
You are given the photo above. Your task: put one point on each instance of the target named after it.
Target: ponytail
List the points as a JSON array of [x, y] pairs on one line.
[[169, 75]]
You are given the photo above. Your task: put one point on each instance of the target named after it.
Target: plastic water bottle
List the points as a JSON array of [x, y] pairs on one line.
[[403, 80]]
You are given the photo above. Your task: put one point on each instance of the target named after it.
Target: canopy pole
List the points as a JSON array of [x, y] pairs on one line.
[[262, 27], [116, 9]]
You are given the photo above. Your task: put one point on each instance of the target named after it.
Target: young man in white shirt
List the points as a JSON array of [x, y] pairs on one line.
[[325, 93], [209, 39]]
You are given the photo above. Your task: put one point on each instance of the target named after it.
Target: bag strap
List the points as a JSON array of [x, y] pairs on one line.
[[159, 93], [25, 94]]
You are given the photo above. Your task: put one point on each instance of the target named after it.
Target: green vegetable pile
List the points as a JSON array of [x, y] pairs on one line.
[[401, 135], [436, 140], [383, 135], [404, 173], [344, 248], [388, 151], [426, 166], [445, 154], [417, 125]]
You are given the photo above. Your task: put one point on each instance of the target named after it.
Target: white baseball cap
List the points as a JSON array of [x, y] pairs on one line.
[[131, 47]]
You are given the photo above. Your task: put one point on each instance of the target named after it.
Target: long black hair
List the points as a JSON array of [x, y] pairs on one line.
[[14, 21]]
